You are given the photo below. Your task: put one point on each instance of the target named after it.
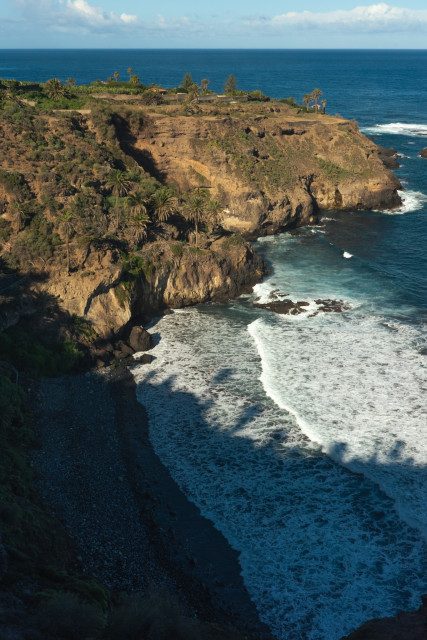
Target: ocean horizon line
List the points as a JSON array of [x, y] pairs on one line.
[[379, 49]]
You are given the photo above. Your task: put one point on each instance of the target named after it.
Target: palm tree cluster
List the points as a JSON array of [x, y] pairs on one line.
[[314, 97], [143, 210]]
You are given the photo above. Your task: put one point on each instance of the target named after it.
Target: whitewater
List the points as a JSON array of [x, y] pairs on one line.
[[303, 438]]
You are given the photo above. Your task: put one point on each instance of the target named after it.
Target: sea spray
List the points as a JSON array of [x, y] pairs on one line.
[[321, 549]]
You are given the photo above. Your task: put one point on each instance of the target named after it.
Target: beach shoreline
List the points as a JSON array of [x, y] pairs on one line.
[[134, 529]]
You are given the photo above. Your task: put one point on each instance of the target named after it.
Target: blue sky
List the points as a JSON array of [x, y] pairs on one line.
[[218, 24]]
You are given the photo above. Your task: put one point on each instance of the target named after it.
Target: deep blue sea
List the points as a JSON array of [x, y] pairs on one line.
[[306, 444]]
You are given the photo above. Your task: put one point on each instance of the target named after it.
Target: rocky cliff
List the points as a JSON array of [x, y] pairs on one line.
[[110, 292], [272, 167], [107, 252]]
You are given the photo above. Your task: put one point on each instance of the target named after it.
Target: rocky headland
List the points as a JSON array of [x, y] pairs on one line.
[[266, 168], [109, 216]]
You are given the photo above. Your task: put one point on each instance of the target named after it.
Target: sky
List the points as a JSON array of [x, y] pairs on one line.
[[272, 24]]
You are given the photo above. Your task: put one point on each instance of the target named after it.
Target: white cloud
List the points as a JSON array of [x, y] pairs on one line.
[[374, 18], [128, 18], [96, 16], [87, 18]]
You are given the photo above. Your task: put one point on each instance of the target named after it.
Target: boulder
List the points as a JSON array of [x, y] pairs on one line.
[[146, 358], [124, 348], [140, 339], [423, 153]]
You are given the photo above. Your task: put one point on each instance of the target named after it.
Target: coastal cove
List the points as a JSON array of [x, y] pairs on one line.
[[276, 462]]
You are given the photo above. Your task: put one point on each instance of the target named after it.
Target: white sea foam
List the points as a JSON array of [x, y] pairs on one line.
[[346, 254], [321, 549], [357, 388], [411, 201], [398, 128]]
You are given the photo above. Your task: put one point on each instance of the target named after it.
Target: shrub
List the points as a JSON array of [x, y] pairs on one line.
[[177, 250], [234, 240], [5, 230], [258, 96], [331, 170], [64, 615], [26, 352], [151, 98], [290, 101]]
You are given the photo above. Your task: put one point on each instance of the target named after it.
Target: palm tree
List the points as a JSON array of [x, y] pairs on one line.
[[120, 185], [116, 75], [71, 82], [66, 226], [307, 99], [134, 79], [204, 84], [193, 93], [195, 210], [138, 202], [139, 223], [55, 89], [316, 95], [130, 72], [163, 203], [323, 103]]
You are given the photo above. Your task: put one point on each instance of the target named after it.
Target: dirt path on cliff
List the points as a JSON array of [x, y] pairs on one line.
[[133, 527]]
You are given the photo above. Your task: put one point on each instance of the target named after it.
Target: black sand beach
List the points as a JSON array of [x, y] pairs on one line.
[[134, 529]]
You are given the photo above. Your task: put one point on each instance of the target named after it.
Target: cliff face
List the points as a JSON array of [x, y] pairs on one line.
[[164, 275], [271, 170], [226, 270]]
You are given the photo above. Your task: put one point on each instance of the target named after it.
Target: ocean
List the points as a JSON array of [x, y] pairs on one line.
[[303, 438]]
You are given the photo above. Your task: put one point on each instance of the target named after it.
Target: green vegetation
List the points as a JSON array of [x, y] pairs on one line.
[[333, 171], [26, 352], [230, 86], [235, 240]]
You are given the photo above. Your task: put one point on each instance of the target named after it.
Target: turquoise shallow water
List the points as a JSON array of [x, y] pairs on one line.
[[306, 445]]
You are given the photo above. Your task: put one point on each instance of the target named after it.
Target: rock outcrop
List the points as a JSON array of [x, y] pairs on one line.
[[389, 157], [108, 294], [423, 153]]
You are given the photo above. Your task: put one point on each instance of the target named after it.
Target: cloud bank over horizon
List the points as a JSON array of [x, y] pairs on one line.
[[87, 20]]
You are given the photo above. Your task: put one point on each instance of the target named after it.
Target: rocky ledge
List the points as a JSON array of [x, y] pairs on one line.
[[288, 307]]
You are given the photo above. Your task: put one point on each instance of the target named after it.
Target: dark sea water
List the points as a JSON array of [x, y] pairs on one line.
[[306, 445]]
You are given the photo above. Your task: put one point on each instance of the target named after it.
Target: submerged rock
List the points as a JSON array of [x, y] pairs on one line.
[[332, 305], [285, 307], [288, 307]]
